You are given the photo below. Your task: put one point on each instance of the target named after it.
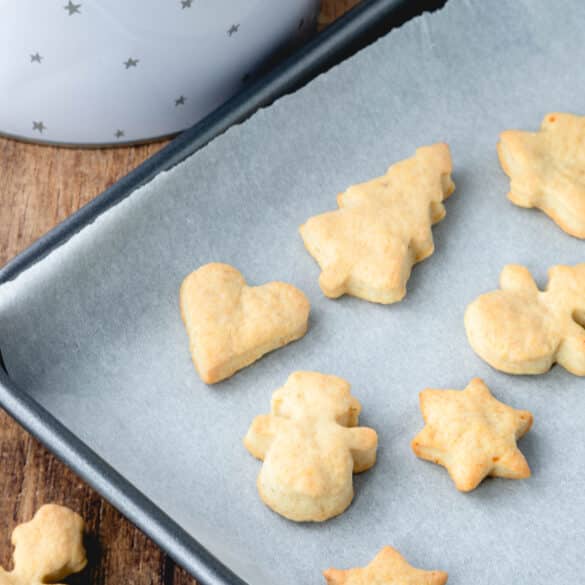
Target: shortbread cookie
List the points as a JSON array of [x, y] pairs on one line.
[[389, 567], [231, 324], [547, 169], [520, 330], [311, 447], [367, 247], [46, 549], [472, 434]]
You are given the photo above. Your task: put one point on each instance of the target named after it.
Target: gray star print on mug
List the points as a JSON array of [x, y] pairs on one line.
[[39, 126], [36, 58], [72, 8], [131, 62], [233, 29]]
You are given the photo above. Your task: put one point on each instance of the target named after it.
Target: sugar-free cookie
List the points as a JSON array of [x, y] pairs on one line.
[[389, 567], [521, 330], [472, 434], [231, 325], [46, 549], [367, 247], [547, 169], [311, 447]]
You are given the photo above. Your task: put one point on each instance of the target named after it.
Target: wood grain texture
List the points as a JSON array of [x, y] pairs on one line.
[[39, 187]]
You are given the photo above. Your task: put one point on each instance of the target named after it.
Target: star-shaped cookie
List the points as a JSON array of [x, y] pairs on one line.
[[367, 247], [547, 169], [389, 567], [472, 434], [231, 325], [47, 549]]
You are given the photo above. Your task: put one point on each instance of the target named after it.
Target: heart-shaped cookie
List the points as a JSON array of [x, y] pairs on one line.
[[231, 325]]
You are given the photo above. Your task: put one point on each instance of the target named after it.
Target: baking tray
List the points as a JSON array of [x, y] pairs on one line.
[[356, 29], [92, 331]]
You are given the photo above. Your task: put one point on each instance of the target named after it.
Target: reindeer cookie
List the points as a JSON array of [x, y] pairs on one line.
[[521, 330], [46, 549], [389, 567], [367, 247], [547, 169], [231, 325], [472, 434], [311, 447]]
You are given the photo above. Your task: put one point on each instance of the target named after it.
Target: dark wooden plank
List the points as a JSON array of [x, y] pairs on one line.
[[39, 187]]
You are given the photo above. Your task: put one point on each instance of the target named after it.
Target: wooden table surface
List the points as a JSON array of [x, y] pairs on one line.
[[39, 187]]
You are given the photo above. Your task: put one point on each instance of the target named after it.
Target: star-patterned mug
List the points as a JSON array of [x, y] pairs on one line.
[[96, 72]]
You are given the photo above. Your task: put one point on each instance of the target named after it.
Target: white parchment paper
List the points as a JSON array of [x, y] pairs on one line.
[[94, 333]]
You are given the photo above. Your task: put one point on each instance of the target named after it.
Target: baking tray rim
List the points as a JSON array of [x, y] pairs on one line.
[[324, 50]]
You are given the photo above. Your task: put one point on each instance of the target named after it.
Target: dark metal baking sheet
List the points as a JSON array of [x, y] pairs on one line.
[[359, 27]]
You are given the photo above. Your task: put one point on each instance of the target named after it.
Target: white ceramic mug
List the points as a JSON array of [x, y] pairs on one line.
[[111, 71]]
